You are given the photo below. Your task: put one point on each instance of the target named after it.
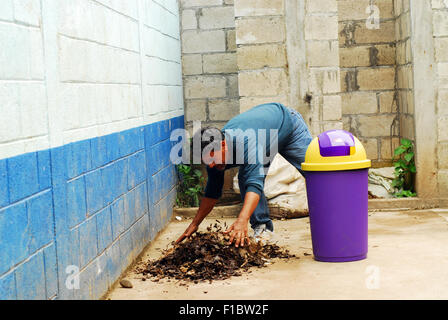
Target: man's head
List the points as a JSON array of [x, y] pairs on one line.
[[213, 147]]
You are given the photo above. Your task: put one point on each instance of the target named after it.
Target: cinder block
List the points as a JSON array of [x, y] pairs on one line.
[[109, 184], [263, 83], [220, 63], [205, 87], [375, 126], [230, 40], [233, 90], [251, 8], [195, 110], [407, 128], [376, 79], [141, 199], [440, 23], [22, 52], [14, 235], [117, 212], [260, 30], [385, 54], [189, 20], [386, 33], [113, 262], [321, 6], [23, 179], [371, 147], [354, 57], [30, 279], [261, 56], [332, 108], [104, 229], [88, 61], [387, 102], [326, 81], [203, 41], [8, 287], [192, 64], [126, 249], [136, 169], [387, 149], [323, 53], [130, 141], [94, 192], [88, 241], [98, 147], [51, 271], [357, 9], [40, 220], [359, 103], [321, 28], [223, 109], [217, 18], [78, 158], [129, 207], [44, 169]]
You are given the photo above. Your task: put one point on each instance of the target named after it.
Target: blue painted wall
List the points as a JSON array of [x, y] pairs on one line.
[[93, 204]]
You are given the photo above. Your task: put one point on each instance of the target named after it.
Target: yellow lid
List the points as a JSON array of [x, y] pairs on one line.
[[325, 154]]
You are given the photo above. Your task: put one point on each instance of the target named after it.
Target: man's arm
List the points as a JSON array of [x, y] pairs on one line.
[[238, 230], [207, 205]]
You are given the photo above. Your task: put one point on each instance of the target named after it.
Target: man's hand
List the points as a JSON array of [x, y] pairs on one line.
[[192, 228], [238, 232]]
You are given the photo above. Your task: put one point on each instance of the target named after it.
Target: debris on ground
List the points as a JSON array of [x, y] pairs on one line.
[[125, 283], [207, 257]]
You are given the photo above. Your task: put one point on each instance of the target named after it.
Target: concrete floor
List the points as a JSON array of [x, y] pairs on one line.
[[408, 259]]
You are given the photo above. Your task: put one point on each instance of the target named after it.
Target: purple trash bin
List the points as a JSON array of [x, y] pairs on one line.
[[336, 173]]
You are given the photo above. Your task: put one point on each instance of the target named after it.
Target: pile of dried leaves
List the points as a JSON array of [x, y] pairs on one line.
[[207, 256]]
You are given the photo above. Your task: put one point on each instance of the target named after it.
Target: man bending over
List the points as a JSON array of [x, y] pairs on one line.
[[249, 141]]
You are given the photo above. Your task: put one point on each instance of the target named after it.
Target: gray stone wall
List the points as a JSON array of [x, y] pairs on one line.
[[209, 61]]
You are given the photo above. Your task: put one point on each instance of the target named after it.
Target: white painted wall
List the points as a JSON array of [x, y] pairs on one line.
[[76, 69]]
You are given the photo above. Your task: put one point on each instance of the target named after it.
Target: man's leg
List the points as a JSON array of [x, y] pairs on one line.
[[295, 149], [261, 213]]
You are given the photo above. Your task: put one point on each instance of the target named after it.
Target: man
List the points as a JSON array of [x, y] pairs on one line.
[[244, 142]]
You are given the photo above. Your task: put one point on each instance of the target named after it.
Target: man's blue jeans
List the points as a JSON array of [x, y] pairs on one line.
[[294, 152]]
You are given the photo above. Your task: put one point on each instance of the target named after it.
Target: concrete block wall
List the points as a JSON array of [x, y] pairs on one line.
[[440, 36], [324, 73], [209, 61], [405, 75], [261, 42], [368, 74], [287, 52], [89, 95]]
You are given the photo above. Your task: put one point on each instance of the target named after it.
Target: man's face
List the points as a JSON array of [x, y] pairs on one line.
[[217, 158]]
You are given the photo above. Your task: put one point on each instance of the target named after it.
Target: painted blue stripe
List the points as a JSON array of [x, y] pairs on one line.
[[92, 204]]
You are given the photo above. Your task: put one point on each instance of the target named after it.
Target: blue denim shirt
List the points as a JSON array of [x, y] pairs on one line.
[[254, 159]]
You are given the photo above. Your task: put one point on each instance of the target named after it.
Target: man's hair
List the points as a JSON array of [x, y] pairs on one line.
[[209, 135]]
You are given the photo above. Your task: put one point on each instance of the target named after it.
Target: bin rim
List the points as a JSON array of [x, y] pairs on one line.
[[314, 161]]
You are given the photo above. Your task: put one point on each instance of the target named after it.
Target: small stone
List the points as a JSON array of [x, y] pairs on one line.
[[125, 283], [179, 218]]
